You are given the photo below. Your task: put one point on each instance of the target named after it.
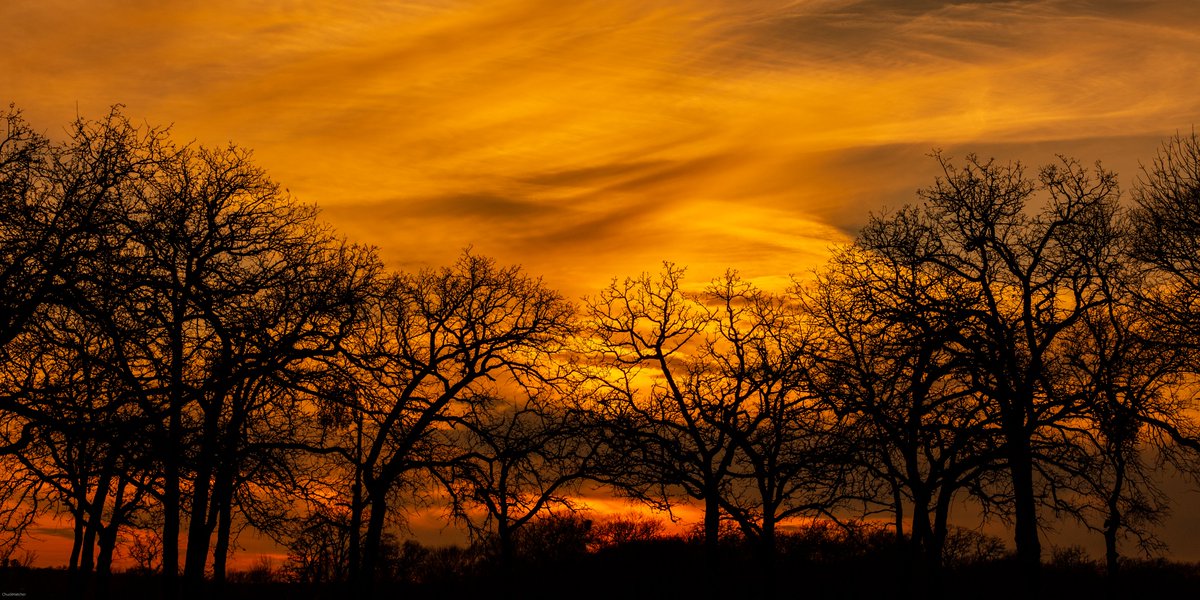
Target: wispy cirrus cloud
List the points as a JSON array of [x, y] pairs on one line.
[[591, 139]]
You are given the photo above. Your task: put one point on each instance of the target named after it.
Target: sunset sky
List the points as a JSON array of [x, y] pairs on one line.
[[587, 139], [592, 139]]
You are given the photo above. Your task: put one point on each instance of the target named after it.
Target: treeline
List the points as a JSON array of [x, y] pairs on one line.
[[188, 352]]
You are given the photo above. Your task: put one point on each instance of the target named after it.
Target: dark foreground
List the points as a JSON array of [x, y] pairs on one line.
[[812, 565], [652, 574]]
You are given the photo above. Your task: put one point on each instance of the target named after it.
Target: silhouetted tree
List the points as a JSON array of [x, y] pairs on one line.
[[1166, 222], [703, 395], [55, 200], [667, 438], [186, 351], [1035, 275], [194, 283], [1144, 363], [516, 459], [1124, 376], [59, 206], [318, 551], [1166, 226], [791, 452], [281, 346], [89, 447], [890, 357], [436, 342]]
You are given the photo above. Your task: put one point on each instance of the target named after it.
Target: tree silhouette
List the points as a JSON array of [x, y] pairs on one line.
[[55, 200], [221, 282], [704, 397], [1035, 277], [179, 300], [891, 358], [791, 459], [1167, 245], [89, 444], [59, 205], [517, 459], [1124, 376], [670, 437], [436, 341], [1167, 225]]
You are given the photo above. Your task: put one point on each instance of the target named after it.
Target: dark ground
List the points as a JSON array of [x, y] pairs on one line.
[[665, 570]]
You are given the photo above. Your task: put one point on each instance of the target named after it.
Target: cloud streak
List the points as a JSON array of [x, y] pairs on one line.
[[713, 133]]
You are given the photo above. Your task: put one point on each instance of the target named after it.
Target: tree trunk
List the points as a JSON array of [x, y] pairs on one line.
[[354, 552], [170, 531], [172, 457], [224, 530], [87, 560], [1029, 548], [1114, 521], [767, 550], [108, 535], [507, 546], [220, 514], [196, 556], [95, 514], [76, 541], [941, 524], [921, 538], [374, 539], [767, 542], [108, 543], [78, 578], [712, 522], [1112, 559], [712, 539], [921, 530], [199, 530]]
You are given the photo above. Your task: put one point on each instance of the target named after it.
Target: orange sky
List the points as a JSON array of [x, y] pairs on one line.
[[587, 139], [595, 138]]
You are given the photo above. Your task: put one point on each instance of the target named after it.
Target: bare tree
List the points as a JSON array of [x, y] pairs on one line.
[[667, 437], [1126, 376], [23, 160], [55, 200], [791, 457], [58, 206], [436, 341], [1035, 276], [892, 325], [89, 442], [1166, 221], [205, 281], [704, 395], [517, 458], [1166, 224], [280, 345]]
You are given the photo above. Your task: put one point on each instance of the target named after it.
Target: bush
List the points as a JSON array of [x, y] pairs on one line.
[[965, 547], [624, 529]]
